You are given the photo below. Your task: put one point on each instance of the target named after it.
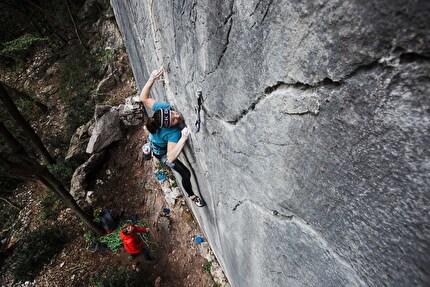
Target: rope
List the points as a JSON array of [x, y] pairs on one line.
[[114, 242]]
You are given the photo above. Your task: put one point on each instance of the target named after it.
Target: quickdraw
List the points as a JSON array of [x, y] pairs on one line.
[[199, 108]]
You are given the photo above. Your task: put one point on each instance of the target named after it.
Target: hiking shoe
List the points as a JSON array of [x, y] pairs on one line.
[[135, 267], [153, 261], [198, 201]]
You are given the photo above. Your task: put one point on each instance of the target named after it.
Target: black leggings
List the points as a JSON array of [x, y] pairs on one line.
[[180, 168], [185, 173]]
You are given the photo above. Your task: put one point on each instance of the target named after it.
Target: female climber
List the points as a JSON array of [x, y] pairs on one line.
[[166, 137]]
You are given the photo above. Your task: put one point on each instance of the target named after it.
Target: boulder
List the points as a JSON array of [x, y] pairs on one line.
[[80, 180], [100, 110], [171, 194], [131, 113], [106, 84], [107, 130], [80, 140]]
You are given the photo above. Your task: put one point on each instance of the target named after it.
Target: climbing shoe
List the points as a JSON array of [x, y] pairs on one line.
[[198, 201]]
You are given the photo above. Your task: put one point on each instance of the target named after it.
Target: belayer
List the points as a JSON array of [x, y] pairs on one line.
[[166, 137], [133, 244]]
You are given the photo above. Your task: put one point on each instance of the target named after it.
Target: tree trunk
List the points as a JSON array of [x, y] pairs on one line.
[[26, 127], [26, 167], [74, 25], [49, 180]]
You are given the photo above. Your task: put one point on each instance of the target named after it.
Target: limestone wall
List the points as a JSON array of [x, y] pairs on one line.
[[313, 155]]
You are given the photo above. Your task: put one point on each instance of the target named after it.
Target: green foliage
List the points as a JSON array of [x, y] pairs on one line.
[[107, 54], [207, 267], [63, 170], [8, 215], [120, 277], [79, 70], [51, 206], [19, 46], [173, 182], [80, 109], [7, 183], [96, 213], [36, 249], [89, 236], [28, 108], [58, 142], [24, 106]]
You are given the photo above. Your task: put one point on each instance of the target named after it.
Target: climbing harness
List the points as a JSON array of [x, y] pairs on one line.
[[199, 108]]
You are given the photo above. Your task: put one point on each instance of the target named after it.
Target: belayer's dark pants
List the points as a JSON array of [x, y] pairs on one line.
[[144, 253], [180, 168]]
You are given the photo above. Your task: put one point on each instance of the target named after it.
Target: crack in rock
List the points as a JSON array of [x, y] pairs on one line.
[[270, 2], [255, 8], [326, 82], [303, 86], [193, 14], [287, 217], [228, 21], [267, 11], [299, 99], [312, 105], [246, 111], [237, 205]]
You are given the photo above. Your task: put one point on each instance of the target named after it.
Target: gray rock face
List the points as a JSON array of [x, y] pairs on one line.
[[313, 154]]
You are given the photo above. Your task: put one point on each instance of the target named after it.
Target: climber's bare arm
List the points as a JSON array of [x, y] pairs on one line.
[[144, 95], [174, 149]]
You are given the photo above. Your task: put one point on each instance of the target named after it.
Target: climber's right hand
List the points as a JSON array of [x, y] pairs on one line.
[[185, 133], [156, 74]]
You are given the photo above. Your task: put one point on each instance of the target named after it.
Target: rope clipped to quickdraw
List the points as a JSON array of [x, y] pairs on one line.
[[114, 242], [199, 108]]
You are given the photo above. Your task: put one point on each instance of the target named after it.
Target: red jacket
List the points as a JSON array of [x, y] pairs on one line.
[[132, 242]]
